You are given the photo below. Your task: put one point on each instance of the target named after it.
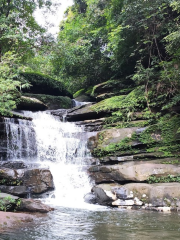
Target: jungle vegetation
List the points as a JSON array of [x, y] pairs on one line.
[[99, 40]]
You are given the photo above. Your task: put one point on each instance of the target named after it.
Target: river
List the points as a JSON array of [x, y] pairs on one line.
[[61, 146]]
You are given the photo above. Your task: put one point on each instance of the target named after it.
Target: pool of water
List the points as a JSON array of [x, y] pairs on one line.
[[99, 224]]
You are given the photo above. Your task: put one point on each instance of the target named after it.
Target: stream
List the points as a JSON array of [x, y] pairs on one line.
[[62, 147]]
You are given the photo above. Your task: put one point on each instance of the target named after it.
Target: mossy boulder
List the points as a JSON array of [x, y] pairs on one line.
[[31, 104], [112, 87], [84, 95], [84, 112], [106, 138], [43, 84], [52, 102]]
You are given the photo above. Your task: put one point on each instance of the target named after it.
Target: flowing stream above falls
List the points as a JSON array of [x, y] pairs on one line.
[[60, 146]]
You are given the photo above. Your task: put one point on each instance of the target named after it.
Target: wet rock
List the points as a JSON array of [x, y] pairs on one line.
[[133, 171], [90, 198], [59, 113], [102, 197], [13, 164], [9, 220], [40, 180], [30, 205], [14, 190]]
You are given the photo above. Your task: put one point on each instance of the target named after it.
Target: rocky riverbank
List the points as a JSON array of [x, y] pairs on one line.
[[136, 151]]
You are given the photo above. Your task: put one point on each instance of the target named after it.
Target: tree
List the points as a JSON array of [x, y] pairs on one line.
[[19, 36]]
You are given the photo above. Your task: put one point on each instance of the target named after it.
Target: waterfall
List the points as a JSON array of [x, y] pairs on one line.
[[59, 145], [78, 104], [21, 141]]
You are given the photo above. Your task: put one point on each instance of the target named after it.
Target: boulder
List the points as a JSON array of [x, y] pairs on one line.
[[13, 164], [39, 180], [10, 220], [43, 84], [111, 136], [20, 191], [52, 102], [31, 205], [84, 112], [31, 104], [138, 171], [90, 198], [61, 113]]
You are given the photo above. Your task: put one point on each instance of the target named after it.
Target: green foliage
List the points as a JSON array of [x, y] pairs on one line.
[[173, 161], [122, 106], [163, 179], [164, 131], [9, 95], [78, 93], [8, 203]]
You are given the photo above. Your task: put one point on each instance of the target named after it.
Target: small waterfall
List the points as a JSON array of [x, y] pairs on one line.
[[59, 145], [78, 104], [21, 141]]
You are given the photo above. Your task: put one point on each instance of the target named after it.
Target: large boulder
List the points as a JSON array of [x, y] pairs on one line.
[[111, 136], [52, 102], [11, 220], [20, 191], [38, 180], [83, 112], [43, 84], [31, 205], [13, 164], [138, 171], [31, 104], [112, 87]]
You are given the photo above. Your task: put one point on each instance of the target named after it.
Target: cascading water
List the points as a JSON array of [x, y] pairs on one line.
[[59, 145], [20, 139]]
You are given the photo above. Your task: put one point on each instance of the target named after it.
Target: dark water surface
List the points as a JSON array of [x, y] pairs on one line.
[[105, 224]]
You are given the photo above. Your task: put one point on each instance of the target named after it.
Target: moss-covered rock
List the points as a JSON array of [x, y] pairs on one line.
[[84, 95], [31, 104], [52, 102], [112, 87], [42, 84]]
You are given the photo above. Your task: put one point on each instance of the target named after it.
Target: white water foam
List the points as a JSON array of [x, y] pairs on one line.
[[62, 147]]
